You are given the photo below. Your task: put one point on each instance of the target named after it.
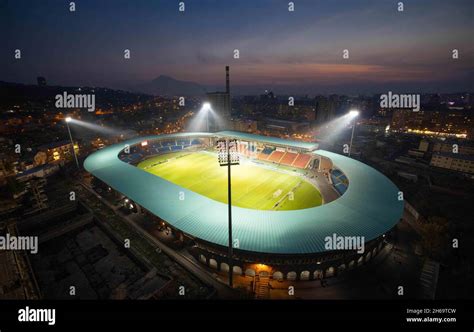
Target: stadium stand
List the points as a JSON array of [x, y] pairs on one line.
[[243, 150], [276, 156], [301, 161], [288, 158], [183, 142], [265, 153], [131, 158], [339, 181], [168, 143], [156, 147]]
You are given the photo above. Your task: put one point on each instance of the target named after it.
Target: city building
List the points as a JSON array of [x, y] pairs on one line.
[[283, 127], [441, 123], [453, 161], [245, 125], [56, 152], [325, 109], [221, 105], [447, 147], [16, 274]]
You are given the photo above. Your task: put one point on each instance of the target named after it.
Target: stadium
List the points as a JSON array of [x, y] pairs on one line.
[[288, 198]]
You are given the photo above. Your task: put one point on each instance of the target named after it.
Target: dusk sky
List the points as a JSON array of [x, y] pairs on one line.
[[279, 50]]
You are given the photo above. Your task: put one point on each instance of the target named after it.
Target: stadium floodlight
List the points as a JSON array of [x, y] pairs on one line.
[[227, 155], [69, 119], [353, 113], [206, 108]]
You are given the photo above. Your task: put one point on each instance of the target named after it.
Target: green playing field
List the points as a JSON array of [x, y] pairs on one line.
[[253, 186]]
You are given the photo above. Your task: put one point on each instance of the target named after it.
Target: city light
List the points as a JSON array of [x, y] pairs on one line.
[[68, 119]]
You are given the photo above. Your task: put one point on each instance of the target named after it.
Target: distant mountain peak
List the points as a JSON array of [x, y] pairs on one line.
[[165, 85], [164, 77]]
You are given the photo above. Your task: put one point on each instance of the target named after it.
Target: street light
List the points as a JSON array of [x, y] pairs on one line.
[[69, 119], [227, 155], [354, 114]]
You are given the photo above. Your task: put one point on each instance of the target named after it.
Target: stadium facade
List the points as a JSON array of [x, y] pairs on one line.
[[292, 244]]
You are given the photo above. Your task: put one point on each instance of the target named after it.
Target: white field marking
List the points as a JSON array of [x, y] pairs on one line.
[[292, 190]]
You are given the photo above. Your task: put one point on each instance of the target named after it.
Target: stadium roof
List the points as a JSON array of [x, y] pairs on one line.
[[269, 140], [369, 207], [455, 155]]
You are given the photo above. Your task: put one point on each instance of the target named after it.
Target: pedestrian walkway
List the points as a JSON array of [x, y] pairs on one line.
[[263, 287], [429, 279]]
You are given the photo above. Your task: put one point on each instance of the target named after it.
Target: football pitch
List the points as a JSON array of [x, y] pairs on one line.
[[253, 186]]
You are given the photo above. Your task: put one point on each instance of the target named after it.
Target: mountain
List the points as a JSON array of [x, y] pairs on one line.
[[168, 86]]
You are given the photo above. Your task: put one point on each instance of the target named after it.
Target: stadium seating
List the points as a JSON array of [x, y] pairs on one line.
[[301, 160], [276, 156], [288, 158], [339, 181], [243, 150], [341, 188], [265, 153], [183, 142], [168, 143], [137, 153], [131, 158], [336, 173]]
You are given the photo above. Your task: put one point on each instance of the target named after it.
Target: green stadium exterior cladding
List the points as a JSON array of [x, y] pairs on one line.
[[370, 207]]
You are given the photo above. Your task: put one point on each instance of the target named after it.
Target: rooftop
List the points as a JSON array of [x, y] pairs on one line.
[[269, 140], [455, 155]]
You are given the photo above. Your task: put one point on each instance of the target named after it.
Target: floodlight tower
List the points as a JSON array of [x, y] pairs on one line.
[[69, 119], [227, 155], [353, 114]]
